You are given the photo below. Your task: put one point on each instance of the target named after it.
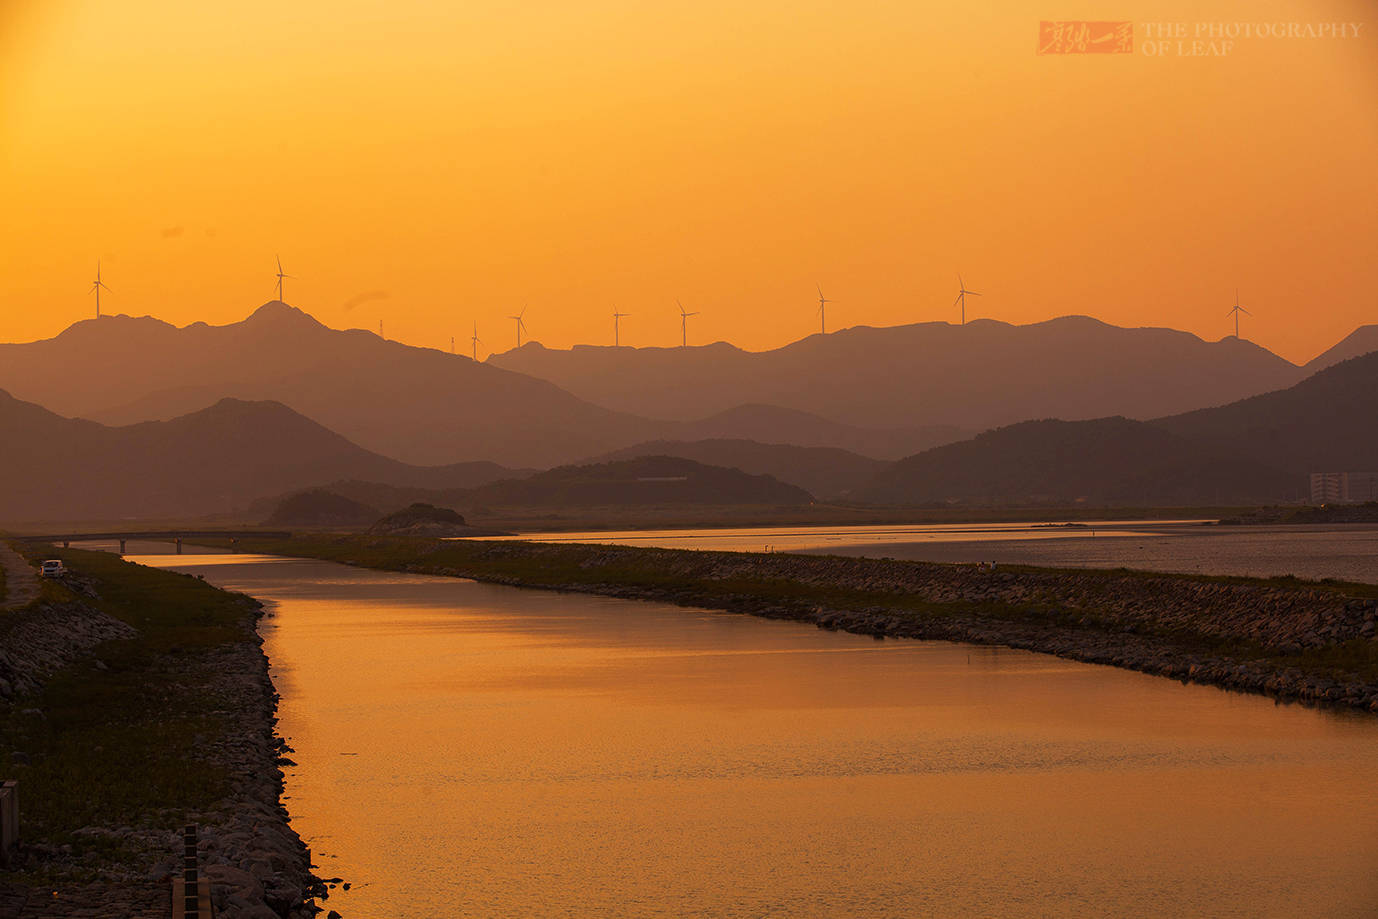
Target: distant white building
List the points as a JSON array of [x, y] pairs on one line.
[[1344, 487]]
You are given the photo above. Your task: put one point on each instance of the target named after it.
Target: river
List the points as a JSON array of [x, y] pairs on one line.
[[474, 750]]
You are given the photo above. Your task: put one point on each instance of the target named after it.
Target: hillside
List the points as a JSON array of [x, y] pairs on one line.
[[317, 507], [1259, 449], [647, 480], [216, 460], [415, 404], [1324, 423], [822, 471], [972, 376], [772, 424], [1363, 340], [1106, 461]]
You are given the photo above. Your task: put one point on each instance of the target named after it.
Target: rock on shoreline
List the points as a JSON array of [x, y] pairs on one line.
[[258, 865]]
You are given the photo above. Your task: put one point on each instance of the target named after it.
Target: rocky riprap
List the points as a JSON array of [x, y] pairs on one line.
[[1156, 623], [258, 866], [42, 638]]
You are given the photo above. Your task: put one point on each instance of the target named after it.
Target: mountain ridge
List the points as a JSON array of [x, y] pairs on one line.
[[983, 374]]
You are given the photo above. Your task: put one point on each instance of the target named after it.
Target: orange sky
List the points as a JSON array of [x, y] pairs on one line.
[[439, 164]]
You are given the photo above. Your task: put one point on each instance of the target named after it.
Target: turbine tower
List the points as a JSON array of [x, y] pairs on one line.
[[280, 276], [474, 343], [521, 326], [822, 311], [684, 325], [616, 326], [95, 287], [1236, 310], [962, 294]]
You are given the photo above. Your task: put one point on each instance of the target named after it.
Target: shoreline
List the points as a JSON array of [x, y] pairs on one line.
[[178, 666], [1288, 639]]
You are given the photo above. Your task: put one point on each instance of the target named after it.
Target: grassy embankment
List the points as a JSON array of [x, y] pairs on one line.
[[581, 566], [118, 745]]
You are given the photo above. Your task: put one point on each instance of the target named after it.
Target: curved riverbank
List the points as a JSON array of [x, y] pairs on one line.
[[135, 702], [1291, 639]]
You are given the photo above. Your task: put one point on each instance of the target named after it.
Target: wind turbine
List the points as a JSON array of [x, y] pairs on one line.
[[280, 276], [684, 325], [1236, 310], [474, 339], [97, 286], [822, 311], [521, 326], [616, 326], [962, 294]]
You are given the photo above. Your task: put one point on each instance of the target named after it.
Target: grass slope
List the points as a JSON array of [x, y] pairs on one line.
[[118, 746]]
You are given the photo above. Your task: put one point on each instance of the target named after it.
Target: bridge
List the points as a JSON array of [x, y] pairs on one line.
[[161, 535]]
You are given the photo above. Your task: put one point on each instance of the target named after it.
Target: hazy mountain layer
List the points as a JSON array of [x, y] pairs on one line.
[[213, 461], [976, 376], [416, 404], [1106, 461], [1327, 422], [1259, 449], [1363, 340], [825, 472], [650, 480]]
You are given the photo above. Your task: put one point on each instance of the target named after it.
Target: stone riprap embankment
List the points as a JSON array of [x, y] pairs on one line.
[[42, 638], [258, 867], [1257, 636]]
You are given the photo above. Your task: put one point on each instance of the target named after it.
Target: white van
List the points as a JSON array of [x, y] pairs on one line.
[[52, 568]]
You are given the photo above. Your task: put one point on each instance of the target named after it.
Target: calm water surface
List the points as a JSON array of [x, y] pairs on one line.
[[475, 750]]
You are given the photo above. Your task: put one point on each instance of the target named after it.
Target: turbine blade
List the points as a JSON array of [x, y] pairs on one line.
[[972, 293]]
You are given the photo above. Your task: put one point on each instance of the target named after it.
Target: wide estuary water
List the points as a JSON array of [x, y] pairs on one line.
[[468, 750]]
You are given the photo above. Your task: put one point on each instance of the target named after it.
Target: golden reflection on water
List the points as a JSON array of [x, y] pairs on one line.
[[474, 750]]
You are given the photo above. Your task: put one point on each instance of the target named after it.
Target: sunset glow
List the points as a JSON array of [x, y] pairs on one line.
[[434, 165]]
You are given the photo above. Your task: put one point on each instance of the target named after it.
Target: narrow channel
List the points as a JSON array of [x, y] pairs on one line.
[[473, 750]]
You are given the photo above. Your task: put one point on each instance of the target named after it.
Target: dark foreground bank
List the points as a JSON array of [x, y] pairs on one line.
[[1290, 639], [133, 702]]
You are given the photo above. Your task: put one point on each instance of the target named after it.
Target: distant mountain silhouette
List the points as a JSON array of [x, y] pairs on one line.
[[1324, 423], [1363, 340], [317, 507], [216, 460], [416, 404], [976, 376], [826, 472], [1258, 449], [1105, 461], [646, 480], [775, 425]]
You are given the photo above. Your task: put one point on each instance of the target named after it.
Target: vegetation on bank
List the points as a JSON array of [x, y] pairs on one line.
[[116, 739], [1309, 514], [583, 566]]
